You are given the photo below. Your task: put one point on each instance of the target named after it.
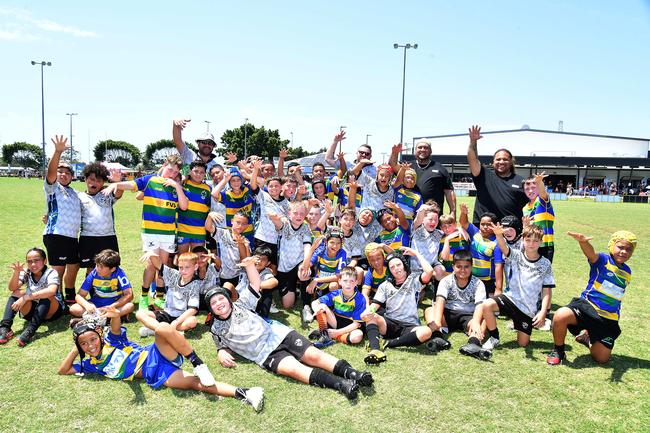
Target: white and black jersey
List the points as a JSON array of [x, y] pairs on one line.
[[461, 299], [180, 297], [265, 230], [248, 297], [228, 252], [371, 231], [426, 243], [401, 302], [526, 279], [220, 208], [49, 277], [248, 334], [373, 198], [97, 214], [291, 250], [63, 210], [354, 244], [210, 280]]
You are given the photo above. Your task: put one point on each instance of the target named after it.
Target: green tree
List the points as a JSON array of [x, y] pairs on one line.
[[76, 156], [156, 152], [22, 154], [249, 140], [117, 151]]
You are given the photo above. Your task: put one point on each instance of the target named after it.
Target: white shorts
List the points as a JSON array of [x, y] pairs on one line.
[[152, 242]]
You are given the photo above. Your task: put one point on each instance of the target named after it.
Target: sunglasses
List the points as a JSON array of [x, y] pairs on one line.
[[363, 152]]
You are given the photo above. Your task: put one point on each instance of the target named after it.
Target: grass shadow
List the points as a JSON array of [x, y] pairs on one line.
[[138, 395], [532, 347], [619, 364]]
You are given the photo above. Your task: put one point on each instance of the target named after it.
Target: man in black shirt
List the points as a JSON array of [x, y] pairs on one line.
[[433, 179], [498, 190]]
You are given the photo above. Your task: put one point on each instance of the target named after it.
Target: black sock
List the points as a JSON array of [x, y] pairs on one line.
[[240, 393], [494, 333], [160, 292], [341, 368], [322, 378], [373, 335], [409, 339], [145, 291], [69, 293], [474, 340], [194, 359], [560, 349]]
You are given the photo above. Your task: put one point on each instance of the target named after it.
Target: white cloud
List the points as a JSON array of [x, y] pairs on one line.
[[28, 25]]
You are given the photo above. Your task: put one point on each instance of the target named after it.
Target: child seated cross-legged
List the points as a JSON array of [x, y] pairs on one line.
[[458, 304], [529, 275], [399, 322], [338, 313], [274, 346], [182, 298], [159, 364], [107, 284], [598, 308]]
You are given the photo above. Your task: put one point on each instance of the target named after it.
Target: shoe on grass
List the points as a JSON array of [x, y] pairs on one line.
[[363, 378], [255, 397], [315, 334], [6, 334], [375, 357], [306, 316], [349, 388], [476, 351], [26, 337], [491, 344], [324, 341], [146, 332], [273, 309], [437, 343], [144, 303], [205, 377], [554, 358]]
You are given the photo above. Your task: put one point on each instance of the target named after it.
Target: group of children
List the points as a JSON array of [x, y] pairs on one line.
[[358, 252]]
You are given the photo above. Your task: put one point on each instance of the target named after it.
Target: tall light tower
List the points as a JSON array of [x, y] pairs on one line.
[[71, 114], [207, 123], [368, 135], [42, 64], [341, 128], [406, 47], [291, 138], [246, 138]]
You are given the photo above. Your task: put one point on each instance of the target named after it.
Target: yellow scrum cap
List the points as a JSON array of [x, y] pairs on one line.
[[621, 235]]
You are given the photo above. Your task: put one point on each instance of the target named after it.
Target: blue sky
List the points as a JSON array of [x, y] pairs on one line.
[[129, 68]]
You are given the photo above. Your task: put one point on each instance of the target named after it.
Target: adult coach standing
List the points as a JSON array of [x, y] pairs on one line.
[[433, 180], [498, 190], [205, 144]]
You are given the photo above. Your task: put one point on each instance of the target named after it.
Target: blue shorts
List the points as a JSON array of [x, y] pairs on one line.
[[102, 302], [157, 369], [182, 240]]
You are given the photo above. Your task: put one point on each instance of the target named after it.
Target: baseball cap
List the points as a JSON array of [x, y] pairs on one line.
[[63, 164], [206, 136]]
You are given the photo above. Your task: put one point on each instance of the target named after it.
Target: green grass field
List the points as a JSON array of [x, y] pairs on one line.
[[415, 390]]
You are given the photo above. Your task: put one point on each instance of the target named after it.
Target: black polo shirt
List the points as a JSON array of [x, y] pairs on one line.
[[433, 179], [499, 195]]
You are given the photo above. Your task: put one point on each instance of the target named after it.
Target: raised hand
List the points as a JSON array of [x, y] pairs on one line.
[[110, 189], [115, 175], [283, 153], [539, 177], [60, 143], [17, 267], [181, 123], [216, 217], [579, 236], [230, 157], [390, 205], [475, 134], [339, 137], [170, 182], [254, 260], [497, 229], [109, 312], [408, 251], [397, 148]]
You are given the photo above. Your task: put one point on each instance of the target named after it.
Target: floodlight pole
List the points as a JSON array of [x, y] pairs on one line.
[[406, 47], [42, 64], [71, 114]]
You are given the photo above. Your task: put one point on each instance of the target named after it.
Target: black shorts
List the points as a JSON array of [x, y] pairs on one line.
[[601, 330], [210, 243], [164, 317], [273, 247], [522, 322], [288, 281], [490, 287], [395, 328], [547, 252], [457, 320], [90, 246], [61, 250], [293, 344], [233, 281], [342, 322], [362, 262]]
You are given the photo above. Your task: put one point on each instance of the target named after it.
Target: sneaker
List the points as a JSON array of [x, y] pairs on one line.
[[363, 378], [437, 343], [6, 334], [324, 341], [159, 303], [315, 334], [255, 397], [349, 388], [201, 371], [476, 351], [146, 332], [491, 344], [554, 358], [26, 337], [546, 326], [144, 303], [375, 357], [273, 309], [306, 315], [583, 339]]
